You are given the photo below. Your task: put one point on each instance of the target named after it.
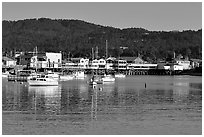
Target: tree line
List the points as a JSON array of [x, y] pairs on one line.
[[76, 38]]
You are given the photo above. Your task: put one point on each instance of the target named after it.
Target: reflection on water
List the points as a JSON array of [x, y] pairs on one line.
[[76, 96], [103, 102]]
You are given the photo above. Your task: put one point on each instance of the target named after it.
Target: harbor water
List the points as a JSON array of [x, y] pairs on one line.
[[135, 105]]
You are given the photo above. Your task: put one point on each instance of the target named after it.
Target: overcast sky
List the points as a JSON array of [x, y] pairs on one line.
[[151, 16]]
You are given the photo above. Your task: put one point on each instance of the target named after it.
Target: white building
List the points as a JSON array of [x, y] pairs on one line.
[[38, 62], [8, 62], [122, 64], [49, 60], [54, 59], [83, 63], [77, 63], [97, 64], [110, 63]]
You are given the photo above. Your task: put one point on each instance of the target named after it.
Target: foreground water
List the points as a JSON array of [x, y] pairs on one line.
[[133, 105]]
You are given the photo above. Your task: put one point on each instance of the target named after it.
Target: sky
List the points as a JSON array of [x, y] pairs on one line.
[[153, 16]]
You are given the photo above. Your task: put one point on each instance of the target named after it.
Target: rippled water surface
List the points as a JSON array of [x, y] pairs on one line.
[[132, 105]]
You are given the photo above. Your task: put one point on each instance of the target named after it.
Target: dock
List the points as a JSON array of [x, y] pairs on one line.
[[17, 78]]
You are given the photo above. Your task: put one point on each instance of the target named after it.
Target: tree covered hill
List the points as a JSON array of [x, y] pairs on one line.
[[78, 37]]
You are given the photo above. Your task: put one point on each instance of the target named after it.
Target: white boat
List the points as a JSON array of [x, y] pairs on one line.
[[95, 80], [108, 78], [120, 75], [66, 77], [79, 75], [52, 74], [42, 81]]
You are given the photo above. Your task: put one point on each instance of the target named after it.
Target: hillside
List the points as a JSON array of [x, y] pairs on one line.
[[78, 37]]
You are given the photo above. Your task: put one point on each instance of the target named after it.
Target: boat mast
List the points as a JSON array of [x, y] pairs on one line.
[[36, 59], [106, 48]]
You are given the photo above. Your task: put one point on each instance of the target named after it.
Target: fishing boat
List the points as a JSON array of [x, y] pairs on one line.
[[42, 81], [120, 75], [108, 78]]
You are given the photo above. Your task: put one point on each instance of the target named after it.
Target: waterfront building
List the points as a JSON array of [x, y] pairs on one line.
[[54, 59], [24, 59], [46, 60], [101, 64], [8, 62], [76, 63], [121, 64], [195, 63], [39, 61], [110, 62]]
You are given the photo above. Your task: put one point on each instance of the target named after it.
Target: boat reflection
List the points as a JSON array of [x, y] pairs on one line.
[[45, 99]]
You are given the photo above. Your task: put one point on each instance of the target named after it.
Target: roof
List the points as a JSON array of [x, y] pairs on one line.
[[76, 58], [128, 58], [111, 58], [196, 60], [138, 60], [7, 59]]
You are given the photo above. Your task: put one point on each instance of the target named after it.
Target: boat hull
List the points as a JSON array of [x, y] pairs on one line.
[[43, 83], [68, 77]]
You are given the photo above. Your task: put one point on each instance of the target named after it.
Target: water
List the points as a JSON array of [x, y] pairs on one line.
[[146, 105]]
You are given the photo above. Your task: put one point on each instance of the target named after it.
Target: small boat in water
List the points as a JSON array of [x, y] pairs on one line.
[[108, 78], [120, 75], [95, 80], [42, 81], [79, 75]]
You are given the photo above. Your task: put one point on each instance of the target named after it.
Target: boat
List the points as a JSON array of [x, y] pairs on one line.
[[120, 75], [53, 75], [79, 75], [42, 81], [66, 77], [108, 78], [95, 80]]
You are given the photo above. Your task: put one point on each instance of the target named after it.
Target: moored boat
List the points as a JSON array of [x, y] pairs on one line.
[[79, 75], [108, 78], [66, 77], [120, 75], [52, 74], [42, 81]]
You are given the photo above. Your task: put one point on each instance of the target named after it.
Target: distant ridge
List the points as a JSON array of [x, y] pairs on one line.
[[78, 37]]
